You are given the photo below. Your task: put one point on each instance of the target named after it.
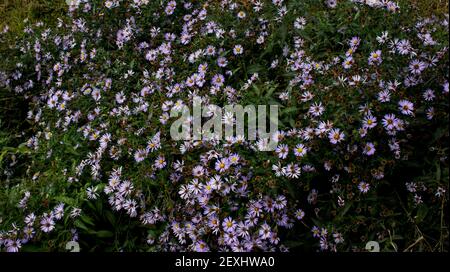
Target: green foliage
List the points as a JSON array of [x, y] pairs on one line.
[[388, 213]]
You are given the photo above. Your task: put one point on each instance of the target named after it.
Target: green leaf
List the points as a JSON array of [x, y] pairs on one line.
[[110, 216], [88, 220], [289, 110], [104, 233], [421, 213], [66, 200], [345, 210], [438, 172], [255, 68], [80, 225]]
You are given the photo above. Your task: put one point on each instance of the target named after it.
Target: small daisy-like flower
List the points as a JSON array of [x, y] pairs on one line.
[[406, 107], [160, 162], [316, 109], [338, 238], [383, 37], [300, 150], [369, 121], [282, 150], [57, 67], [300, 23], [280, 202], [354, 42], [140, 155], [335, 136], [218, 80], [59, 211], [47, 224], [222, 165], [13, 245], [130, 206], [222, 62], [348, 62], [170, 8], [238, 49], [265, 231], [375, 58], [96, 94], [390, 121], [279, 171], [234, 159], [75, 212], [228, 118], [315, 231], [201, 246], [198, 171], [418, 199], [384, 96], [440, 192], [331, 3], [92, 192], [29, 219], [241, 15], [430, 113], [120, 98], [404, 47], [214, 224], [229, 225], [299, 214], [445, 87], [125, 188], [202, 68], [109, 4], [369, 149], [210, 50], [416, 67], [428, 95], [363, 187], [52, 102]]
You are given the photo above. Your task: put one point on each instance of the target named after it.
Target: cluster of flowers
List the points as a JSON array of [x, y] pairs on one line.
[[111, 90]]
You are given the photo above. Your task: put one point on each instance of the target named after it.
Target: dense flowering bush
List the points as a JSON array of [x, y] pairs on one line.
[[362, 149]]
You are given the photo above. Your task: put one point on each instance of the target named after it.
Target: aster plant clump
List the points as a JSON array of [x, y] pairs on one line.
[[362, 154]]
